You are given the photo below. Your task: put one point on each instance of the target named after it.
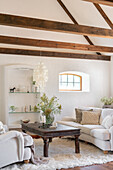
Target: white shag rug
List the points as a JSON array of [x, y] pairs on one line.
[[62, 155]]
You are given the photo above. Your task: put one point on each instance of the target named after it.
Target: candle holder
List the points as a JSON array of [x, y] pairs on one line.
[[44, 125]]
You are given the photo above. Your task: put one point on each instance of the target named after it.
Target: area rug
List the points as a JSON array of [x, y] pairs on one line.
[[62, 155]]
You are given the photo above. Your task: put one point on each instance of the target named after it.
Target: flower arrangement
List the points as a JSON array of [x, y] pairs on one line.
[[49, 107], [107, 101]]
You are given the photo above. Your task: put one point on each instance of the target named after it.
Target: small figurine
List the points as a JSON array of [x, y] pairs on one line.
[[12, 90]]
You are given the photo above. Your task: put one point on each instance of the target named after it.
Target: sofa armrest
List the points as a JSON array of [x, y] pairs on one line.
[[14, 134], [67, 118], [111, 140], [6, 128]]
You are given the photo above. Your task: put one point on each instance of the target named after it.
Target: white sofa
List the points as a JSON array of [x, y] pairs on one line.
[[95, 134], [14, 147]]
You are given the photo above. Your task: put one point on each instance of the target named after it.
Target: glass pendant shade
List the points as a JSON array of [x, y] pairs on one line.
[[40, 75]]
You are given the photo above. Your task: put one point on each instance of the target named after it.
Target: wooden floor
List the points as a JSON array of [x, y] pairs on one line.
[[107, 166]]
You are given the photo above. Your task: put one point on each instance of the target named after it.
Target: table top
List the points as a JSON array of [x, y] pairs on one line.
[[61, 130], [57, 129]]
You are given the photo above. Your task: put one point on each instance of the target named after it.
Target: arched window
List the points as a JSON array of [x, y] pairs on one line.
[[70, 82], [74, 81]]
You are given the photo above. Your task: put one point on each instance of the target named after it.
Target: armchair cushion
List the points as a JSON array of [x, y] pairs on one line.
[[28, 140], [2, 128], [14, 134]]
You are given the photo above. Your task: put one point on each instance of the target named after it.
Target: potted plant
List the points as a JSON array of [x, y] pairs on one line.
[[107, 101], [12, 108], [49, 107]]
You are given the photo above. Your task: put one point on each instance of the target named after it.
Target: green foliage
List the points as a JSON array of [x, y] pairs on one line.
[[49, 106], [35, 108], [34, 82], [107, 101], [12, 108]]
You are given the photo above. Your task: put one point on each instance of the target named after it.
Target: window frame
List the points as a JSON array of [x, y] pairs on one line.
[[67, 82]]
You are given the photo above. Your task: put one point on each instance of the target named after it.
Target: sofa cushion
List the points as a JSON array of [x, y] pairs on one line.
[[106, 112], [70, 123], [89, 117], [79, 113], [67, 118], [102, 134], [87, 128], [84, 128], [107, 121]]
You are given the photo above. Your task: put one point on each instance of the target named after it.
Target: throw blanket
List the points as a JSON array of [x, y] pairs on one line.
[[35, 160]]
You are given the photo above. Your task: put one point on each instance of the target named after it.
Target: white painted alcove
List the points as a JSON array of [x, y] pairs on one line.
[[13, 120]]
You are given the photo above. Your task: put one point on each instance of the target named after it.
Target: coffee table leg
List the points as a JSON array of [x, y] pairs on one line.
[[77, 149], [50, 139], [23, 131], [46, 145]]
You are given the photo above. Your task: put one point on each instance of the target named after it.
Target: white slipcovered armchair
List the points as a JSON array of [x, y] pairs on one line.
[[14, 147]]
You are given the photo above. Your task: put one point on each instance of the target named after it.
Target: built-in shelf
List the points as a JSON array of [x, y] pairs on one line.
[[25, 92], [23, 97], [22, 112]]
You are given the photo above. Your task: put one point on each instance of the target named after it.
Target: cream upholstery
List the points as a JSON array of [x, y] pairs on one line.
[[111, 140], [95, 134], [106, 112], [107, 122], [87, 128], [67, 118], [70, 123], [104, 145], [102, 134], [12, 148], [28, 140]]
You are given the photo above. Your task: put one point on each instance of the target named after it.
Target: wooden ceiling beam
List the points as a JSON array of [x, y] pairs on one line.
[[75, 22], [39, 53], [73, 19], [103, 2], [32, 23], [103, 14], [53, 44]]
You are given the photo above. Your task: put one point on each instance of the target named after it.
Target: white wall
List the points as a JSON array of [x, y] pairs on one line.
[[99, 72], [111, 75]]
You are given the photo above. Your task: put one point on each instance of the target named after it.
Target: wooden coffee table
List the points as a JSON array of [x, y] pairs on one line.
[[48, 134]]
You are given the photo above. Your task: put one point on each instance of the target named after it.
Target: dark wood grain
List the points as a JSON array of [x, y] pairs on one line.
[[46, 145], [39, 53], [104, 2], [77, 149], [53, 44], [61, 130], [47, 134], [40, 24]]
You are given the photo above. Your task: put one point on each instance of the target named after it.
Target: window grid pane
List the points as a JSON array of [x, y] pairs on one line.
[[69, 82]]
